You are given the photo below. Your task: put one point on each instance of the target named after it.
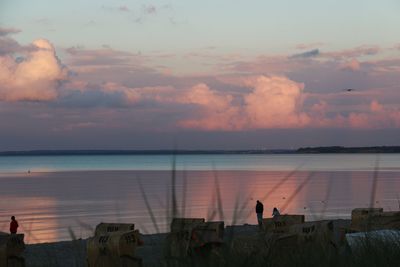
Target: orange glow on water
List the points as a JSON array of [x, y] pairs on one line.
[[240, 190], [35, 216]]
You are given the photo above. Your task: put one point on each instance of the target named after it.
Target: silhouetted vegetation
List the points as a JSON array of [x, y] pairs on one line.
[[341, 149]]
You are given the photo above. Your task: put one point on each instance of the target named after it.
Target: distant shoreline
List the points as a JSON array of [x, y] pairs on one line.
[[140, 152], [303, 150]]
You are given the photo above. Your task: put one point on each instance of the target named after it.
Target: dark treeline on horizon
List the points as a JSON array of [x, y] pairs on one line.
[[305, 150], [341, 149]]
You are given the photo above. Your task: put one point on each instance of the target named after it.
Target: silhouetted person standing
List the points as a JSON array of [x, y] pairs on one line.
[[13, 225], [259, 211], [275, 212]]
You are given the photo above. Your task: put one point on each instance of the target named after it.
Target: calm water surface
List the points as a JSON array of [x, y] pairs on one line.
[[279, 162], [77, 192]]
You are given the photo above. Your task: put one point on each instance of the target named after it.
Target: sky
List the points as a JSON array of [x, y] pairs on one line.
[[198, 74]]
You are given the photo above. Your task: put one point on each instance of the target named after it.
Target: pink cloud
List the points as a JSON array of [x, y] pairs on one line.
[[375, 106], [201, 94], [352, 65], [359, 120], [35, 78], [384, 119], [217, 112], [374, 116], [384, 116], [275, 103], [384, 66]]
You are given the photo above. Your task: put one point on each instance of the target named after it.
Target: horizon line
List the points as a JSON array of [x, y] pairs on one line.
[[319, 149]]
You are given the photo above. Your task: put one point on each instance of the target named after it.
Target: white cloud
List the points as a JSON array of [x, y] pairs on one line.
[[34, 78], [275, 103]]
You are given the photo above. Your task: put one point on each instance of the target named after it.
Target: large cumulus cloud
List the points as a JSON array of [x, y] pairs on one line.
[[272, 102], [275, 102], [217, 110], [34, 76]]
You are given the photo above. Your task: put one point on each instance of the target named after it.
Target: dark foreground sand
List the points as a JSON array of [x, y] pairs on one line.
[[73, 253]]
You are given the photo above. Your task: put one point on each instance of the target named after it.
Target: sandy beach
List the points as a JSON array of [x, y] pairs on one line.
[[73, 253]]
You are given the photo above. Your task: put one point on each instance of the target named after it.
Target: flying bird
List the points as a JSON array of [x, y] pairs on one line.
[[349, 89]]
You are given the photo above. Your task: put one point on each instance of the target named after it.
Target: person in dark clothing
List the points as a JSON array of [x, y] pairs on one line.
[[275, 212], [259, 211], [13, 225]]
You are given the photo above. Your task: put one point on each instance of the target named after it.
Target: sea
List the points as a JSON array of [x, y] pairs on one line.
[[56, 198]]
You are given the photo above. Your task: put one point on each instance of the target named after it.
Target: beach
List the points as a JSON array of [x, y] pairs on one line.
[[243, 245], [73, 253]]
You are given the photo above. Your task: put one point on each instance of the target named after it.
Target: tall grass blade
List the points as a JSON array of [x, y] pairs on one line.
[[71, 234], [313, 215], [281, 182], [219, 198], [85, 226], [211, 212], [184, 192], [298, 189], [30, 228], [173, 188], [149, 210], [245, 205], [374, 182], [168, 214], [143, 229], [398, 200], [327, 195], [31, 234], [231, 233], [117, 212]]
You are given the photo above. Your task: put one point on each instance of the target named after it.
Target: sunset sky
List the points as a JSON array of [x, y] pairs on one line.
[[221, 74]]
